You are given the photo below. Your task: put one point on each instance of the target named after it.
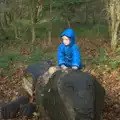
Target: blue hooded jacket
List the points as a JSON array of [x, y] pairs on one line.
[[69, 55]]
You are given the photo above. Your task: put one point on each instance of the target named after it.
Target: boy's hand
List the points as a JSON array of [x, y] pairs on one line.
[[74, 67], [63, 67]]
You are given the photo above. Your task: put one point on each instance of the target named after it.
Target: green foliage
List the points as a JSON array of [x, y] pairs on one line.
[[65, 3], [16, 20], [114, 63], [101, 30], [51, 55], [23, 22], [9, 59], [6, 60], [88, 31], [41, 30], [103, 59], [36, 56], [92, 31]]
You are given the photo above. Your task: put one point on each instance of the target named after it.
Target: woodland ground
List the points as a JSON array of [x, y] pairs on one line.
[[98, 60]]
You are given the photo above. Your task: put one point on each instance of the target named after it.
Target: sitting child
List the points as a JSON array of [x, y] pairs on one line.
[[68, 51]]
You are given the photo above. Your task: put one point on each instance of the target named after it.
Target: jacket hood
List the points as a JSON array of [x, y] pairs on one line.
[[70, 34]]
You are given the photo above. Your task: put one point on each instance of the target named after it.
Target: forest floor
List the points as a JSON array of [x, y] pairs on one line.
[[96, 63]]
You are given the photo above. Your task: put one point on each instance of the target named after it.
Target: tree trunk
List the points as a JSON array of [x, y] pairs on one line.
[[33, 22], [15, 32], [49, 38], [113, 9], [36, 10], [94, 21], [86, 13], [68, 23], [114, 40], [2, 26], [33, 33], [50, 25]]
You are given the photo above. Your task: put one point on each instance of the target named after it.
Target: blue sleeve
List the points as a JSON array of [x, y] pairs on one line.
[[76, 59], [60, 55]]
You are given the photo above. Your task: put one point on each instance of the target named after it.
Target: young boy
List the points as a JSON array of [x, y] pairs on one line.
[[68, 51]]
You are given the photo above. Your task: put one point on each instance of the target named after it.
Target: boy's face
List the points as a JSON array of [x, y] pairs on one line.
[[66, 40]]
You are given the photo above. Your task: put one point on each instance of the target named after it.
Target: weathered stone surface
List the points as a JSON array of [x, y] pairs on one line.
[[34, 72], [10, 110], [60, 94], [61, 101]]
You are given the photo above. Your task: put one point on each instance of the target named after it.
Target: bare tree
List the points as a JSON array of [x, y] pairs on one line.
[[50, 24], [36, 10], [113, 10]]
